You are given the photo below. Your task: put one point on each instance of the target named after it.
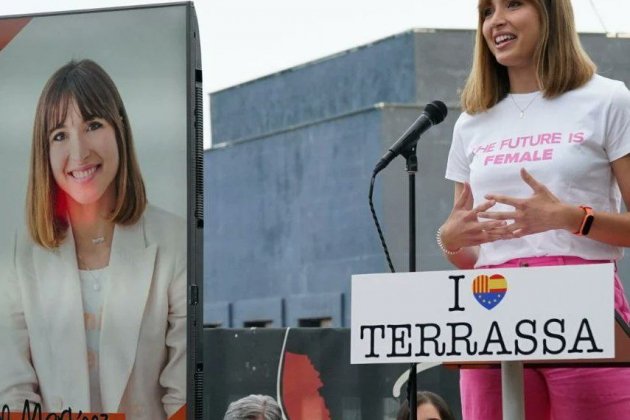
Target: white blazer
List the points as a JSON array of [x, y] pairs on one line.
[[142, 364]]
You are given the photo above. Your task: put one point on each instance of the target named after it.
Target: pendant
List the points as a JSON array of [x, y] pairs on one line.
[[522, 115], [101, 239]]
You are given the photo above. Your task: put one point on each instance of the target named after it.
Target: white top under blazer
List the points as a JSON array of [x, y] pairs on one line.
[[142, 363]]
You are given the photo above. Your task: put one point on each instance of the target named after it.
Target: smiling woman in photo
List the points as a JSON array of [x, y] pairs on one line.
[[94, 300]]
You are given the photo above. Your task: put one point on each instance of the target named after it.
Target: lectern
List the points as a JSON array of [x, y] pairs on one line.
[[507, 317]]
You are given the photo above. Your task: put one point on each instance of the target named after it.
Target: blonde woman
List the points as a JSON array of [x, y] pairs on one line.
[[541, 162], [94, 298]]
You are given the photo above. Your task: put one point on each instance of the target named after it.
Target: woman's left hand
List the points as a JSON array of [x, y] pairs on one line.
[[538, 213]]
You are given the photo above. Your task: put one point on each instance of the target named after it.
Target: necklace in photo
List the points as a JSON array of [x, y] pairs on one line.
[[522, 110], [93, 275], [98, 240]]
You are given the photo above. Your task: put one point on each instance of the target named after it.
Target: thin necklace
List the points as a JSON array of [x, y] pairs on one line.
[[96, 278], [522, 114], [98, 240]]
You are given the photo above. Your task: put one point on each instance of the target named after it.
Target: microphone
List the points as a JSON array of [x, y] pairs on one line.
[[434, 113]]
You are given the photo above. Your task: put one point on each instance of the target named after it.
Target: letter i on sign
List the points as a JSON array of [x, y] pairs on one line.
[[456, 306]]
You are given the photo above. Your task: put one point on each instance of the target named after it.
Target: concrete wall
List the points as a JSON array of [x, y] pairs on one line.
[[353, 80], [288, 218]]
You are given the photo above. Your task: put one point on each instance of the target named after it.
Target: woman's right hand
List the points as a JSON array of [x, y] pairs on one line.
[[463, 229]]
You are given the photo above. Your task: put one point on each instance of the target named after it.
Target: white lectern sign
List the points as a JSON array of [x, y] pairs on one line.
[[535, 313]]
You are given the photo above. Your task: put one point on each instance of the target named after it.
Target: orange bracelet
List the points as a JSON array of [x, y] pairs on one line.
[[587, 221]]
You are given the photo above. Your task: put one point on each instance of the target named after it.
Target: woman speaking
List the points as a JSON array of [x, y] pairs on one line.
[[541, 161]]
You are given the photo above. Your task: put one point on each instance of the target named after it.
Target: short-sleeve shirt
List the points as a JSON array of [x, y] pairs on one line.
[[567, 143]]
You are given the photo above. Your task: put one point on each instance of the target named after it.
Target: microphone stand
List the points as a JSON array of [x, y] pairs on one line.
[[412, 168]]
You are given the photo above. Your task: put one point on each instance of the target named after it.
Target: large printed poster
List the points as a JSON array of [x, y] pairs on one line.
[[93, 274]]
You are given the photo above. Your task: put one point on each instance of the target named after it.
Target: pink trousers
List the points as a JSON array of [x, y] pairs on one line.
[[554, 393]]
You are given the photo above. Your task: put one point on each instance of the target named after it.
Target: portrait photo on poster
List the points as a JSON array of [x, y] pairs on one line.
[[100, 244]]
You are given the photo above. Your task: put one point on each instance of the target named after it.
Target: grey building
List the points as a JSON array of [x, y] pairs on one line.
[[287, 219]]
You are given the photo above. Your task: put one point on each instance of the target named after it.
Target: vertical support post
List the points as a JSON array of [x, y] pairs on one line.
[[512, 390], [412, 168]]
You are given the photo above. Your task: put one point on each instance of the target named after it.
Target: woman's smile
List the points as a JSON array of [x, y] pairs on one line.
[[84, 174], [503, 40], [512, 31], [84, 157]]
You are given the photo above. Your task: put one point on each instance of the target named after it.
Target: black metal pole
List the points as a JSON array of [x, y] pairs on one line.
[[412, 168], [412, 218]]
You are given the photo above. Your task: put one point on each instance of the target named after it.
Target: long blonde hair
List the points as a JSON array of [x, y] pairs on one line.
[[561, 62]]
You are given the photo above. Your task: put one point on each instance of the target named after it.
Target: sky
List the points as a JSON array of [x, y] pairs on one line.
[[242, 40]]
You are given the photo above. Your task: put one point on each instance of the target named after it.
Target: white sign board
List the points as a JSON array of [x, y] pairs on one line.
[[535, 313]]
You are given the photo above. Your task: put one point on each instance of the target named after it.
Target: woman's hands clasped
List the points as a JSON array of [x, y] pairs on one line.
[[467, 226], [463, 228], [541, 212]]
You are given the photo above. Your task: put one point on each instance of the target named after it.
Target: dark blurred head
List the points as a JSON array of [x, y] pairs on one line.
[[426, 397]]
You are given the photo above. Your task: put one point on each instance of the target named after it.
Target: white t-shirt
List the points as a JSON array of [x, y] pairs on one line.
[[567, 143], [93, 283]]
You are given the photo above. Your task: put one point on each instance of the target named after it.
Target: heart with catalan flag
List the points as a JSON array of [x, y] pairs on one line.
[[489, 290]]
